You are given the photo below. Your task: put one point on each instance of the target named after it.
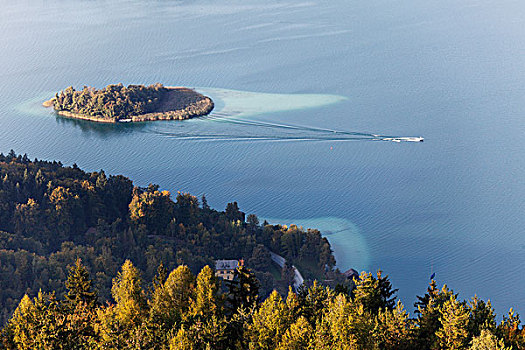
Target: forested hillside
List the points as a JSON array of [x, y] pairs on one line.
[[91, 262], [181, 311], [50, 215]]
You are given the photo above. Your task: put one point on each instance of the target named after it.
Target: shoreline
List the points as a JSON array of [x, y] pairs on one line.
[[170, 109]]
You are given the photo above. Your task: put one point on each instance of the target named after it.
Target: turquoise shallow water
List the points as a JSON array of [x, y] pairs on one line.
[[349, 244], [302, 87]]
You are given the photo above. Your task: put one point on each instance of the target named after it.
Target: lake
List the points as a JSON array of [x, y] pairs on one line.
[[308, 94]]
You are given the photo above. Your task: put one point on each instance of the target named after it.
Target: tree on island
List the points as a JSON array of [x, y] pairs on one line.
[[132, 103], [112, 102]]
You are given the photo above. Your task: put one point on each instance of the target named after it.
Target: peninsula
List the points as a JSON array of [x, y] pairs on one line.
[[134, 103]]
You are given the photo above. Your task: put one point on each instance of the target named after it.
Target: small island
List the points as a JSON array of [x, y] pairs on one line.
[[135, 103]]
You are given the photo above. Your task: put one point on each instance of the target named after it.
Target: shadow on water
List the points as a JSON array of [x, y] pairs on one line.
[[101, 129], [33, 107]]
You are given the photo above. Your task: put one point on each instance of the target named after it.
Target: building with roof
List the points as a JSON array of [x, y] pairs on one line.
[[351, 274], [225, 269]]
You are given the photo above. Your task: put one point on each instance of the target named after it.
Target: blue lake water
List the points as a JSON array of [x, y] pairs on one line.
[[301, 88]]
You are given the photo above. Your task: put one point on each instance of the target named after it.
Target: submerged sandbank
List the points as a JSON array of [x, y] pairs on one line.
[[347, 242], [236, 103]]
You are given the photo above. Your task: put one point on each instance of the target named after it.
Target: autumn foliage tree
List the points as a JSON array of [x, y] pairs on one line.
[[182, 311], [112, 102]]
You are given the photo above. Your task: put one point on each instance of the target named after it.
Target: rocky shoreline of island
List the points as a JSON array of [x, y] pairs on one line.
[[157, 102]]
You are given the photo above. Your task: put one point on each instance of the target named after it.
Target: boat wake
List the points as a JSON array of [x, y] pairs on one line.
[[253, 131]]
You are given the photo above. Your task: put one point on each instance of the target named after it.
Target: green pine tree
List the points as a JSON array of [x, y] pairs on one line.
[[482, 317], [374, 293], [313, 300], [79, 286], [428, 308], [242, 290]]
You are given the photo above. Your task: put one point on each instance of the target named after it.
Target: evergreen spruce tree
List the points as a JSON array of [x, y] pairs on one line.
[[423, 301], [205, 205], [160, 277], [79, 286], [387, 291], [481, 317], [374, 293], [242, 290], [428, 308], [313, 300], [240, 302], [80, 310]]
